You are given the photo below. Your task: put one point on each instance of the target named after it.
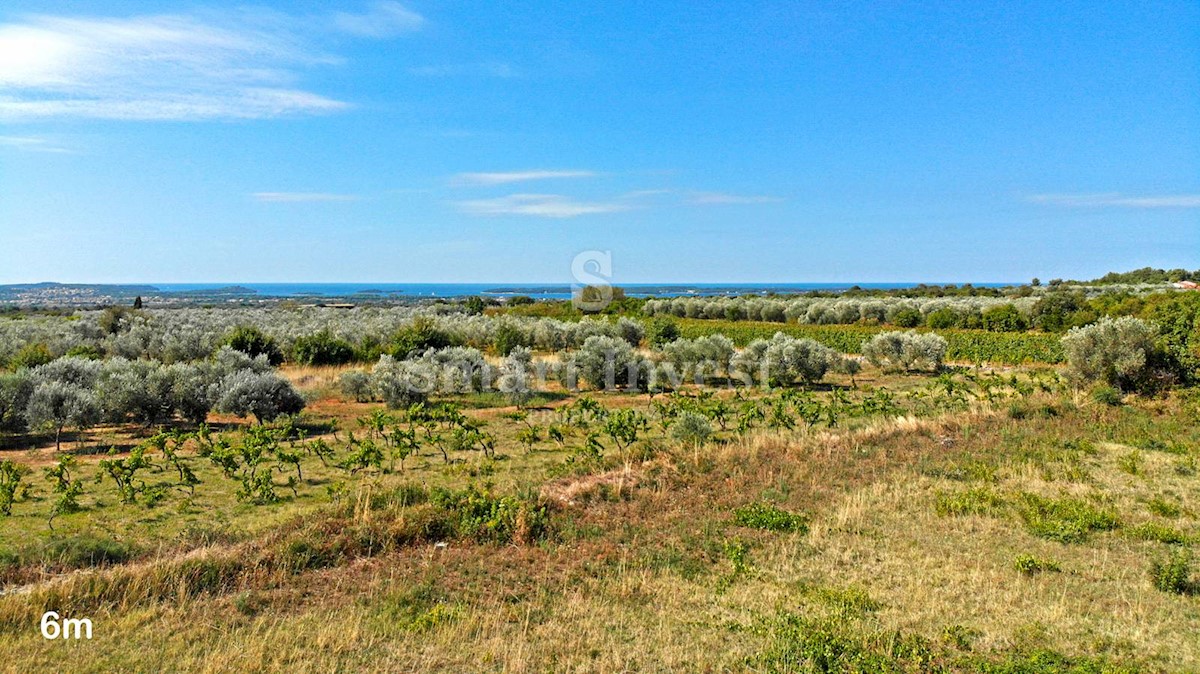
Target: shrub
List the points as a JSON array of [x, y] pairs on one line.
[[941, 319], [1107, 395], [30, 356], [760, 515], [322, 348], [402, 383], [1172, 574], [254, 342], [661, 330], [507, 338], [1112, 351], [906, 318], [905, 350], [265, 395], [691, 428], [1004, 318], [1151, 531], [975, 501], [357, 385], [631, 331], [420, 335]]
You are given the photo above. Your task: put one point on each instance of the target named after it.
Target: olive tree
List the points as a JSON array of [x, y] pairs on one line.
[[910, 350], [140, 390], [15, 389], [783, 359], [607, 362], [57, 405], [265, 395], [514, 380], [401, 383], [1114, 351]]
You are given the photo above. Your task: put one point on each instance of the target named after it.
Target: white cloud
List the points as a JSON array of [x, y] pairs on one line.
[[507, 177], [168, 67], [31, 144], [539, 205], [721, 198], [296, 197], [384, 19], [1114, 199]]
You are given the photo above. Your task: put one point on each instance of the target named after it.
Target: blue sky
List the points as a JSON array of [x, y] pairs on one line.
[[697, 141]]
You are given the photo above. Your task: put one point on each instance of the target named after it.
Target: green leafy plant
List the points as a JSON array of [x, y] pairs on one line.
[[760, 515]]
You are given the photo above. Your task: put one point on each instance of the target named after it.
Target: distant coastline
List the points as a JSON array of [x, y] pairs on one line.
[[85, 294]]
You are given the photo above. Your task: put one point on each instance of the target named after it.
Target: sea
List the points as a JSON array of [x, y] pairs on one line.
[[535, 290]]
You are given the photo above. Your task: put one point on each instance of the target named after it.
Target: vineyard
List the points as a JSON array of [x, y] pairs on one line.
[[963, 346]]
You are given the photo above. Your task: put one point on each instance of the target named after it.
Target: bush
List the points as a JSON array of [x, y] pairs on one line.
[[322, 348], [421, 335], [254, 342], [905, 350], [661, 330], [507, 338], [31, 356], [265, 395], [1004, 318], [1107, 395], [691, 429], [1172, 574], [1112, 351], [907, 318], [941, 319], [357, 385], [402, 383]]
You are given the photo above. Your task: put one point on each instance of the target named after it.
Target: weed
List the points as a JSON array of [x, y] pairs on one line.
[[974, 501], [760, 515], [1164, 508], [1066, 520], [1151, 531], [1172, 574], [1030, 565]]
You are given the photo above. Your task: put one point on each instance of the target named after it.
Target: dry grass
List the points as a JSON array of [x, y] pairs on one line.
[[640, 576]]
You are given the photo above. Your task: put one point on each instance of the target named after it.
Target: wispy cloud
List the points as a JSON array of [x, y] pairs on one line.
[[508, 177], [170, 67], [295, 197], [722, 198], [32, 144], [1118, 200], [485, 69], [540, 205], [384, 19]]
